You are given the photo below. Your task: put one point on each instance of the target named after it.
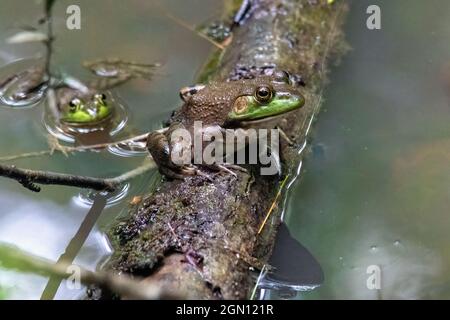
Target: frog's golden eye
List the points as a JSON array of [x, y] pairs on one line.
[[263, 94]]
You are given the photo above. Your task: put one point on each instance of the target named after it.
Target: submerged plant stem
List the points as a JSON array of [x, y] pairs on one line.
[[16, 259]]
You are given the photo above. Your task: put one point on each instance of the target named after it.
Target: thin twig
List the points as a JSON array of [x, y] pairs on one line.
[[26, 155], [14, 258], [66, 150], [273, 205], [29, 178], [190, 28], [146, 166]]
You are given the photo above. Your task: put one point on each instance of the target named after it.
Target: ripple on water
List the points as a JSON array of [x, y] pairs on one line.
[[130, 149], [86, 197], [12, 76], [68, 133]]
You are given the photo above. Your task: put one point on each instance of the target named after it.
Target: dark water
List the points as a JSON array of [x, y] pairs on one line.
[[374, 189]]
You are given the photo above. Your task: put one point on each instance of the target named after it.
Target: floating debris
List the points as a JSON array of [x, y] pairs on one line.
[[27, 36]]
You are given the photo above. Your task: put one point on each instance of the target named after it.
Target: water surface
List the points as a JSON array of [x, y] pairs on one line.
[[375, 186]]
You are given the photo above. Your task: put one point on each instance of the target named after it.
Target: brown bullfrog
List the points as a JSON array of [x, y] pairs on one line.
[[234, 104]]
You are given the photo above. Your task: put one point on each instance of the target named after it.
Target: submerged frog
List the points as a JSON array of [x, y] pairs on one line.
[[89, 105], [79, 104], [235, 104]]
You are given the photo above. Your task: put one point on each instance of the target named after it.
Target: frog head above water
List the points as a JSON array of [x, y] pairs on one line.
[[86, 111]]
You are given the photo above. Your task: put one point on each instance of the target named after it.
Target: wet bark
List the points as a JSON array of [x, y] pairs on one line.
[[200, 238]]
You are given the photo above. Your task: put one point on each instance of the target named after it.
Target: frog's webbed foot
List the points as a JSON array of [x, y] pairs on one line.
[[227, 168], [7, 81], [292, 143], [180, 173], [176, 173]]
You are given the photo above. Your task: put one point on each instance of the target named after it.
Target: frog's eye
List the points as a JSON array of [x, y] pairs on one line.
[[73, 105], [282, 76], [263, 94], [100, 96]]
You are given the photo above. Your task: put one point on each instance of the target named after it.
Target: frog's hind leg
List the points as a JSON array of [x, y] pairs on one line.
[[117, 68], [144, 71]]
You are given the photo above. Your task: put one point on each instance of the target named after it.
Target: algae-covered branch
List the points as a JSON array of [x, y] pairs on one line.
[[201, 237]]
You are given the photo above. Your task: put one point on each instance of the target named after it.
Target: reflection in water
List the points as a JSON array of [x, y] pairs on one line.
[[295, 268], [75, 245], [36, 227], [86, 197]]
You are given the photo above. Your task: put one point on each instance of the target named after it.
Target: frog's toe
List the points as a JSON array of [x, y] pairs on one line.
[[182, 172], [192, 170], [172, 174], [228, 168], [291, 142]]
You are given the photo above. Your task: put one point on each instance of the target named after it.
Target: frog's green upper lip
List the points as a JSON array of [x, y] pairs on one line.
[[282, 103], [253, 122]]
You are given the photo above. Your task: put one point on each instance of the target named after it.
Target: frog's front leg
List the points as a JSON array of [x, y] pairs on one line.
[[115, 68], [217, 136], [162, 147]]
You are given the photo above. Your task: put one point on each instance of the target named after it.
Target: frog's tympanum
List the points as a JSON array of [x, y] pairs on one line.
[[234, 104]]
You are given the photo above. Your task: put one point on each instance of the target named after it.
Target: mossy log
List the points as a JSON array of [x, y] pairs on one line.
[[200, 238]]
